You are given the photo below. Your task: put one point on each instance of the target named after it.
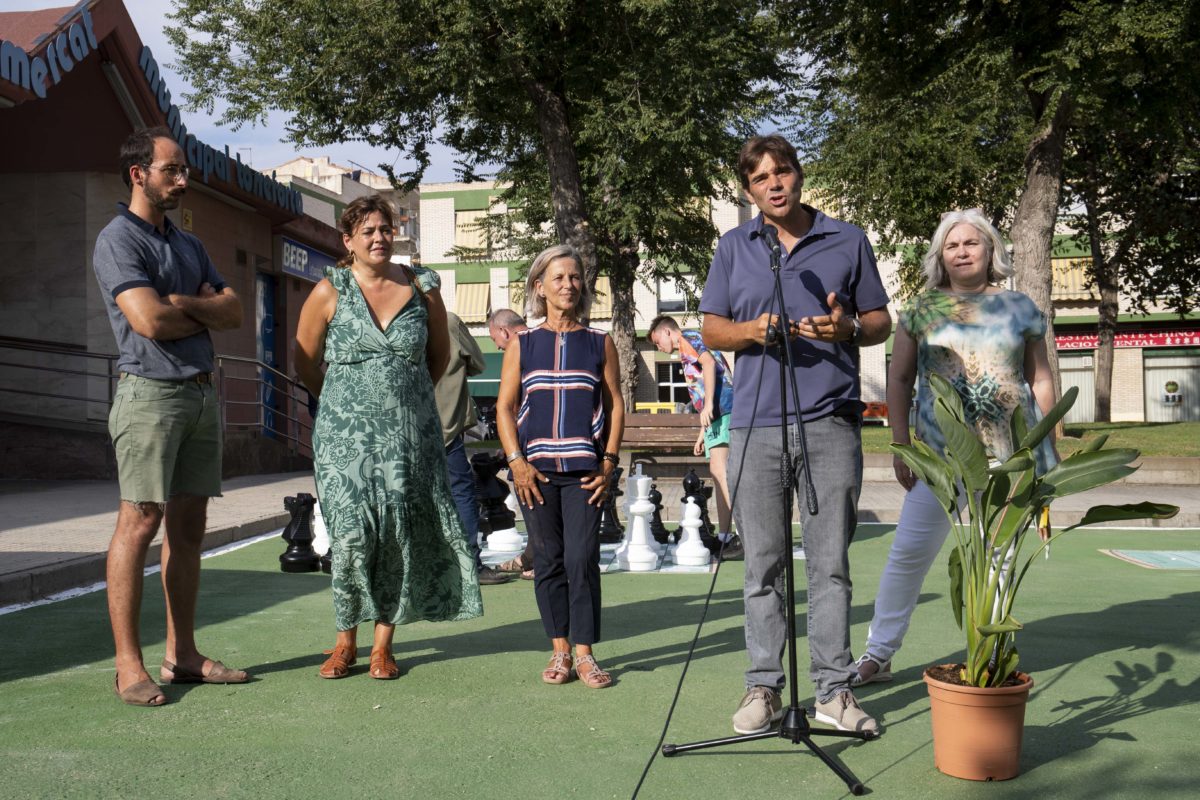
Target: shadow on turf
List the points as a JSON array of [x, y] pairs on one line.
[[1055, 646], [76, 631]]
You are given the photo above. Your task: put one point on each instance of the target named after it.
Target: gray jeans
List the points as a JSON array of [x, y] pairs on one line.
[[835, 455]]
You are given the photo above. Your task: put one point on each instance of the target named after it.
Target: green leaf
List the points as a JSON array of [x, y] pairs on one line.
[[1008, 625], [1144, 510], [963, 447], [1093, 444], [1082, 471], [1035, 435], [955, 568], [1018, 425], [932, 469]]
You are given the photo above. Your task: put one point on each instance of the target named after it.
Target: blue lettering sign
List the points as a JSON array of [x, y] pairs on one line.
[[303, 261]]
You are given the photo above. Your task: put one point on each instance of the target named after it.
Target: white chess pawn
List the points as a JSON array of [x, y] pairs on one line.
[[507, 540], [641, 554], [691, 552]]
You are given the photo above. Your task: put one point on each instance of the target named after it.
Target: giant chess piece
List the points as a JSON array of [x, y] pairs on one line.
[[638, 554], [691, 551], [695, 491], [321, 543], [299, 556], [611, 531], [657, 529], [496, 522]]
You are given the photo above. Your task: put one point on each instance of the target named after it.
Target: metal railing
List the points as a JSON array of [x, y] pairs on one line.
[[63, 384], [255, 396], [48, 372]]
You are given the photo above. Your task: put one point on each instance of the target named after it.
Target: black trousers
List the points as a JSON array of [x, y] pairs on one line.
[[566, 558]]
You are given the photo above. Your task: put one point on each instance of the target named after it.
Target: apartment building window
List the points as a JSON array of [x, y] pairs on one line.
[[671, 298], [672, 388]]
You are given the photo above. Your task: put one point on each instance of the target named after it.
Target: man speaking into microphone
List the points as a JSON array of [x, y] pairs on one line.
[[836, 303]]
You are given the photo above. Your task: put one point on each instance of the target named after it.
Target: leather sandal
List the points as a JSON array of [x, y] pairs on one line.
[[513, 565], [218, 673], [339, 662], [383, 666], [594, 678], [141, 694], [558, 671]]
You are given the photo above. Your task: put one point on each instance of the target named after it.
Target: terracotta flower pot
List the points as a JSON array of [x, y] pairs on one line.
[[977, 732]]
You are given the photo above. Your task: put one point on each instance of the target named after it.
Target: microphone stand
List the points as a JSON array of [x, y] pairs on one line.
[[794, 725]]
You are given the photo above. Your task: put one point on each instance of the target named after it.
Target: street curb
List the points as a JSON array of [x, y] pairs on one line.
[[26, 587]]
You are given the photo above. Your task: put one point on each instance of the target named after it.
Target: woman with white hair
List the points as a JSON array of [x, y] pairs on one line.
[[560, 417], [989, 342]]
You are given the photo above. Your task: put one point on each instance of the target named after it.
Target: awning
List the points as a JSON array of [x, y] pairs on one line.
[[602, 302], [471, 302]]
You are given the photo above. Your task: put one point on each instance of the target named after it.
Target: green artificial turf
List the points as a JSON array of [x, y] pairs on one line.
[[1113, 649]]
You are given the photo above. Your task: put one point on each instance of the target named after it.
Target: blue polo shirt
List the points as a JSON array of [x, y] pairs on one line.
[[832, 257], [130, 252]]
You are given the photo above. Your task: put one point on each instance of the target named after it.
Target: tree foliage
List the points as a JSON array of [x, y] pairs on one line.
[[920, 108], [614, 120]]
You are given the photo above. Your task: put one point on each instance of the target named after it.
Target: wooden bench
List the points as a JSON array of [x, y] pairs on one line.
[[661, 433]]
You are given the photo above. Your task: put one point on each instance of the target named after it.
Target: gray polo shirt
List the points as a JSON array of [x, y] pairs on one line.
[[832, 257], [130, 252]]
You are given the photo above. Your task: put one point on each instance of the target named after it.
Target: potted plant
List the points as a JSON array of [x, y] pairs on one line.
[[1003, 503]]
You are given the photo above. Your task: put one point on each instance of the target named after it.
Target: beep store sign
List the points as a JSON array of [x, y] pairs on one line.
[[302, 261], [55, 60]]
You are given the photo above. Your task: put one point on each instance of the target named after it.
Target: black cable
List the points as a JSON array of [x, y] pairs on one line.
[[713, 584]]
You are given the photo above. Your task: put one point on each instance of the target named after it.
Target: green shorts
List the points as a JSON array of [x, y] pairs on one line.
[[716, 434], [167, 435]]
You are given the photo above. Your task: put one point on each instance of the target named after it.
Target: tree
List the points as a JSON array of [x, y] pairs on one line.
[[622, 111], [1052, 67]]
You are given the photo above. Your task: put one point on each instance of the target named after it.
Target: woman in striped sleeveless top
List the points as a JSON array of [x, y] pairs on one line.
[[560, 417]]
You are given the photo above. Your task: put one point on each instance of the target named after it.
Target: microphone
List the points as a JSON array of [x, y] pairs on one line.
[[770, 235]]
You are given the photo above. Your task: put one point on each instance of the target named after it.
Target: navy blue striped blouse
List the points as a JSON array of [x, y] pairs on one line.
[[560, 422]]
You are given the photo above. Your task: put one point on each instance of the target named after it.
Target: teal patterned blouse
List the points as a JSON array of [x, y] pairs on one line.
[[977, 342]]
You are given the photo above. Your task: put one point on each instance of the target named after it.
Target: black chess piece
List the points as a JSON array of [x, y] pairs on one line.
[[657, 529], [299, 556], [491, 492], [611, 530], [327, 562]]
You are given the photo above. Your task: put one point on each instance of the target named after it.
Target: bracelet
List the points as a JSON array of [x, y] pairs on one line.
[[612, 457], [514, 455]]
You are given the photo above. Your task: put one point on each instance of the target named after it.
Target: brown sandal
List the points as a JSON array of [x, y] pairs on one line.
[[383, 666], [141, 694], [217, 673], [514, 566], [558, 671], [339, 662], [594, 678]]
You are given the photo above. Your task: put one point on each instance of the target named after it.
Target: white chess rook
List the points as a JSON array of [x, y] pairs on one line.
[[639, 553], [691, 552]]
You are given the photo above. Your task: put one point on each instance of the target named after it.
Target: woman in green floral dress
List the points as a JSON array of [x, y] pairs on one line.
[[399, 553]]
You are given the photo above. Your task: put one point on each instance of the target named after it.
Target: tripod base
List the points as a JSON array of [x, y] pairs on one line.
[[795, 728]]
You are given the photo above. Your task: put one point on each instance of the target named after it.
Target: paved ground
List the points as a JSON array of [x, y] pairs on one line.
[[54, 534]]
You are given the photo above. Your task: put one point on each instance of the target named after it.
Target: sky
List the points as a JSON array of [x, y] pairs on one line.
[[261, 146]]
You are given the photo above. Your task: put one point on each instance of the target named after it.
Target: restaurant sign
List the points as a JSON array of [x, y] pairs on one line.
[[1090, 341]]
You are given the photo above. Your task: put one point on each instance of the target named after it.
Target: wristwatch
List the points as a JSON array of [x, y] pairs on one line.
[[613, 457], [856, 334]]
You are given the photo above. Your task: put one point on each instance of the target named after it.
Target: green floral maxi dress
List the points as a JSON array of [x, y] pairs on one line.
[[399, 554]]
